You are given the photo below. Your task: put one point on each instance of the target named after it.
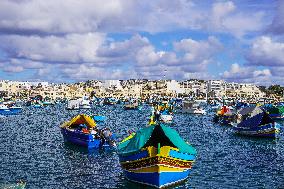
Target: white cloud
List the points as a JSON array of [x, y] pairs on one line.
[[221, 10], [202, 75], [243, 23], [88, 71], [261, 73], [246, 74], [277, 25], [55, 16], [13, 69], [19, 65], [197, 54], [147, 56], [225, 17], [70, 48], [266, 52], [94, 55], [88, 16], [124, 50]]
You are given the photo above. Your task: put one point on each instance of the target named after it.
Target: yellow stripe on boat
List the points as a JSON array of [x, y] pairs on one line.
[[157, 169], [128, 138], [164, 151]]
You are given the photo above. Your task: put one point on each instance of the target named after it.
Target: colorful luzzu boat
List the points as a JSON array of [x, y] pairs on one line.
[[256, 122], [224, 116], [276, 112], [88, 135], [156, 156]]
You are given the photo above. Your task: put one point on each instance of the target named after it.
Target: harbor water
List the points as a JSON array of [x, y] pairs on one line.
[[32, 149]]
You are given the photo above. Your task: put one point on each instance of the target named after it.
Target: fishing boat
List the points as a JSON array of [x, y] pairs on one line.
[[81, 130], [192, 107], [47, 103], [4, 110], [85, 104], [156, 156], [132, 104], [275, 112], [37, 104], [166, 116], [73, 104], [110, 101], [215, 107], [254, 121], [13, 110], [164, 112], [19, 185], [224, 116]]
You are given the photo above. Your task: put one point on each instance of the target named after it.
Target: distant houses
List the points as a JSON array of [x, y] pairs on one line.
[[132, 88]]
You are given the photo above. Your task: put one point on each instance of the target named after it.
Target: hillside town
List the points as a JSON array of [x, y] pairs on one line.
[[199, 89]]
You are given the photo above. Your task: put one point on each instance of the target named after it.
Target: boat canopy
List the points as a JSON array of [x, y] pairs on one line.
[[275, 109], [250, 110], [253, 117], [151, 136], [80, 119]]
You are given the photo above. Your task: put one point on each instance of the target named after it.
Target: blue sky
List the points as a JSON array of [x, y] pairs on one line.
[[67, 41]]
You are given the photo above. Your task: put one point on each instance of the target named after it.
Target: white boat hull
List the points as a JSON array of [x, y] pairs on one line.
[[193, 111], [166, 118], [85, 107]]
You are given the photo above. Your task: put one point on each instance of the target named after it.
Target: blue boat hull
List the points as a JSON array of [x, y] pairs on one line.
[[278, 117], [157, 171], [11, 111], [37, 106], [99, 118], [158, 180], [16, 110], [80, 139], [5, 112], [269, 130]]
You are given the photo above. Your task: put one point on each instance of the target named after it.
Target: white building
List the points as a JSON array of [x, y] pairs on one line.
[[215, 88], [112, 84], [249, 90], [174, 87]]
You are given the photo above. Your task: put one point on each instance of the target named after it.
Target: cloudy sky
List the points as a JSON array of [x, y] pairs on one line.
[[71, 40]]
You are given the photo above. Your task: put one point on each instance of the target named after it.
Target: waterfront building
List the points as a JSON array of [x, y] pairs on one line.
[[132, 88], [173, 88], [215, 88], [112, 84]]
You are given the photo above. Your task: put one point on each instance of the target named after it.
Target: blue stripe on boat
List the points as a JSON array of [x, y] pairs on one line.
[[180, 155], [256, 128], [157, 179], [277, 116]]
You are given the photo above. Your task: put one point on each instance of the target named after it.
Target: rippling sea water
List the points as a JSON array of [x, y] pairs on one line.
[[32, 149]]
